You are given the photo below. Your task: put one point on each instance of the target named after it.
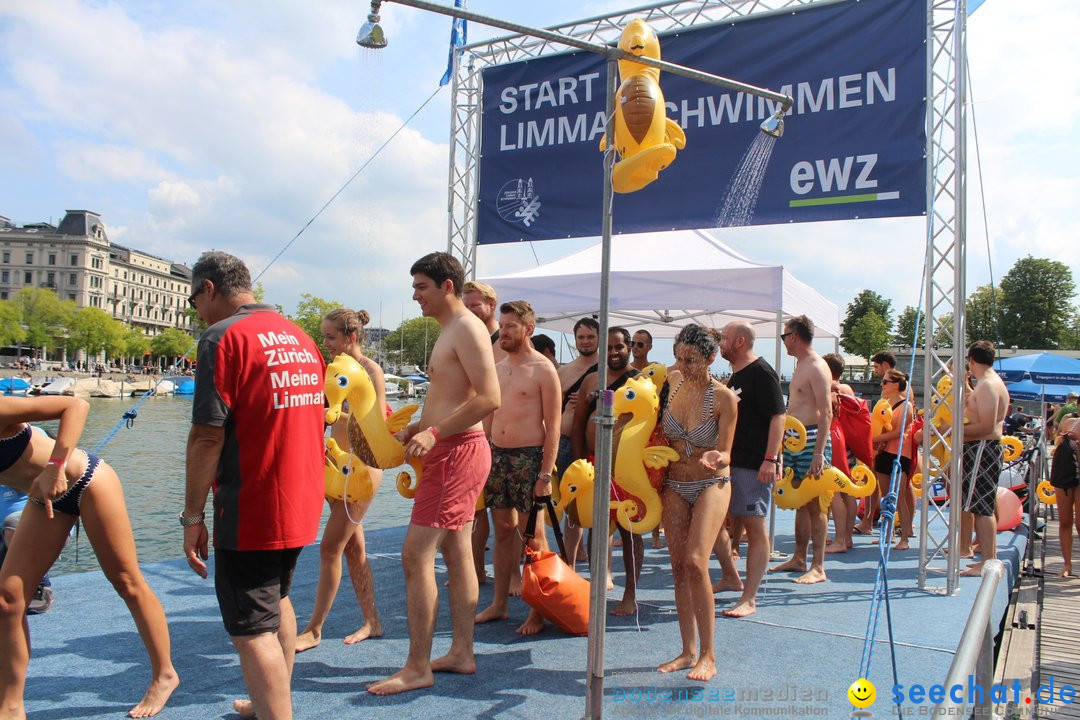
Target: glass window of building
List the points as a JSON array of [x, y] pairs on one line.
[[28, 277], [29, 258], [52, 258]]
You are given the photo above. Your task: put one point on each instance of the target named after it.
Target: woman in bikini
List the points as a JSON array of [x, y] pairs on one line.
[[1065, 477], [343, 332], [66, 485], [700, 423], [894, 389]]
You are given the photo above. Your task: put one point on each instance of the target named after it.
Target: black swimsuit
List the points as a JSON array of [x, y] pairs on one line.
[[11, 448]]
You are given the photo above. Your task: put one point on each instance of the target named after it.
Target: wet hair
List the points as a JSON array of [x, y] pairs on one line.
[[589, 323], [485, 290], [228, 273], [543, 343], [982, 352], [802, 326], [620, 331], [835, 363], [898, 375], [700, 338], [646, 333], [440, 267], [349, 321], [521, 308], [885, 358]]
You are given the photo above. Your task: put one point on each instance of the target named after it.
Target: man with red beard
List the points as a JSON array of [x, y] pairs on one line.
[[524, 440]]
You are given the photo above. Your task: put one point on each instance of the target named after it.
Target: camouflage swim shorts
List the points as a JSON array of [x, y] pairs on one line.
[[514, 472]]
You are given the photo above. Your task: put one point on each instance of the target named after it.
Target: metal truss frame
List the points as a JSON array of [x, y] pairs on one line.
[[946, 247]]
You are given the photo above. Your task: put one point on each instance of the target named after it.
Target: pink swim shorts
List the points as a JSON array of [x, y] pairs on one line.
[[454, 474]]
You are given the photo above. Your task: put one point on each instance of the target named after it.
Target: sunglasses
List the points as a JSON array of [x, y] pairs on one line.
[[192, 296], [638, 344], [886, 382], [785, 336]]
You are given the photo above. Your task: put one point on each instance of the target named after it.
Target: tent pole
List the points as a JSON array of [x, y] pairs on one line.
[[772, 505], [605, 421]]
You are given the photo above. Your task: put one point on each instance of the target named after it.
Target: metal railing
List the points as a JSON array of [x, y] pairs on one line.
[[973, 665]]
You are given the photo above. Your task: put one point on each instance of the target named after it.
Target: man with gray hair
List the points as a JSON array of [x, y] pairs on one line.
[[755, 461], [257, 439]]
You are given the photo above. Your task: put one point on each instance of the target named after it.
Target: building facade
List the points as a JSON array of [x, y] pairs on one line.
[[77, 262]]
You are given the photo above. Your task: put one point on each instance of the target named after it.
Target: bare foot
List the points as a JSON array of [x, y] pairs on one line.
[[741, 609], [793, 564], [628, 606], [657, 543], [156, 696], [1067, 572], [403, 680], [836, 547], [726, 585], [902, 545], [680, 663], [815, 575], [610, 582], [491, 613], [532, 625], [705, 669], [454, 663], [243, 708], [973, 570], [307, 640], [515, 587], [370, 630]]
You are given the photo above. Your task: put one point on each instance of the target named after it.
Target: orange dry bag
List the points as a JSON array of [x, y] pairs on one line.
[[551, 586]]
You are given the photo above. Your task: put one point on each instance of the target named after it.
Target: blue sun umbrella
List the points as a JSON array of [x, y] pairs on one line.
[[1040, 368]]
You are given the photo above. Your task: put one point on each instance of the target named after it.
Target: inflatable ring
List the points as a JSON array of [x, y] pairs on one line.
[[1012, 447], [794, 434], [1046, 492]]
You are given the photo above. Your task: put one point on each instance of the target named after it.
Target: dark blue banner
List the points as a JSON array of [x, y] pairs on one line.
[[853, 147]]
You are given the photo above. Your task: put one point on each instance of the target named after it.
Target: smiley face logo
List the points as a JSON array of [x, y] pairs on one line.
[[862, 693]]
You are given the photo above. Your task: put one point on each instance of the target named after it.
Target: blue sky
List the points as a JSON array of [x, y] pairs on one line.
[[227, 125]]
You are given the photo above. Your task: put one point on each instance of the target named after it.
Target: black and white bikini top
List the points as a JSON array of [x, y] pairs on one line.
[[705, 435], [11, 448]]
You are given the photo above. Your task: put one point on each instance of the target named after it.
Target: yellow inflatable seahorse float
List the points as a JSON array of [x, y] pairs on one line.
[[638, 509], [862, 483], [794, 434], [576, 486], [370, 432], [645, 138], [345, 475]]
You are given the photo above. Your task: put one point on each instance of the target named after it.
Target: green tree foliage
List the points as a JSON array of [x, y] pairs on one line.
[[869, 335], [865, 302], [43, 315], [1036, 302], [905, 328], [1070, 340], [89, 330], [170, 344], [11, 330], [136, 344], [984, 314], [309, 314], [411, 342]]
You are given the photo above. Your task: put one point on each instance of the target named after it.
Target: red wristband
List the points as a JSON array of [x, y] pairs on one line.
[[58, 460], [434, 433]]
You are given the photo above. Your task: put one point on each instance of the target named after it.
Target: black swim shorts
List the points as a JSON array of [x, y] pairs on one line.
[[250, 585]]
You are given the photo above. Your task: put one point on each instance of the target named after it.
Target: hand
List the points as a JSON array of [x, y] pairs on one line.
[[712, 460], [542, 487], [49, 485], [419, 444], [195, 548], [816, 466], [768, 473]]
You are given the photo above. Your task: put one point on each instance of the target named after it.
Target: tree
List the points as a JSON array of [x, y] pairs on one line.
[[88, 329], [309, 314], [11, 330], [1070, 340], [43, 315], [906, 328], [171, 344], [869, 335], [984, 315], [411, 342], [136, 344], [1036, 303], [865, 302]]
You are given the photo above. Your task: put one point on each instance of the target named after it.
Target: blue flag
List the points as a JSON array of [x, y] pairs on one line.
[[459, 32]]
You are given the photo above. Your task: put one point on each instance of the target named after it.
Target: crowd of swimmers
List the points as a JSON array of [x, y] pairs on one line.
[[502, 419]]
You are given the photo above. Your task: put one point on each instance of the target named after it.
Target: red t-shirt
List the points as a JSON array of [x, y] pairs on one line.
[[261, 379]]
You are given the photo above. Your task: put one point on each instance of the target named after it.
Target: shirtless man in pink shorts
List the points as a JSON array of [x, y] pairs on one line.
[[450, 439]]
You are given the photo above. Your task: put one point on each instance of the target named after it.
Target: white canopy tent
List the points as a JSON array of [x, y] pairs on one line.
[[662, 281]]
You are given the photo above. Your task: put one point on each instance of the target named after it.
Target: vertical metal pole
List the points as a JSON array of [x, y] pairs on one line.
[[772, 503], [594, 683]]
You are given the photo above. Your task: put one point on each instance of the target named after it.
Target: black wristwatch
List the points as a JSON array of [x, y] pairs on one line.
[[773, 459]]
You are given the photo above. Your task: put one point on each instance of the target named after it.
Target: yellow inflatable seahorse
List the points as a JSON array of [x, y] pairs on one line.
[[638, 498], [794, 434], [645, 138], [1046, 492], [861, 484], [657, 372], [345, 475], [370, 432], [881, 417], [576, 486]]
